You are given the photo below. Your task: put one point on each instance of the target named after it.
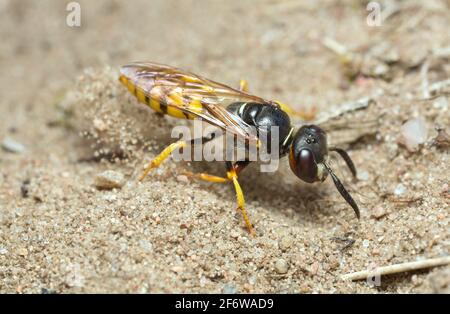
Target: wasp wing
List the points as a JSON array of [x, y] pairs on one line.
[[191, 94]]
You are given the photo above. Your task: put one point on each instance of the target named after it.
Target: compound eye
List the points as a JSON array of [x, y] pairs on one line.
[[307, 166], [304, 165]]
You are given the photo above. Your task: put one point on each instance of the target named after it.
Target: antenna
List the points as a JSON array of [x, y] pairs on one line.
[[344, 193], [347, 159]]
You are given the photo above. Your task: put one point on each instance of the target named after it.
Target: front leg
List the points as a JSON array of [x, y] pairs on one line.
[[243, 86], [306, 115]]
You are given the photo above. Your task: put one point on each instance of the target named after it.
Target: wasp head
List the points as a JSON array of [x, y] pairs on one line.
[[308, 152], [308, 158]]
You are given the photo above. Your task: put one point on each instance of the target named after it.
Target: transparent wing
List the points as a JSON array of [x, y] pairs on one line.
[[192, 94]]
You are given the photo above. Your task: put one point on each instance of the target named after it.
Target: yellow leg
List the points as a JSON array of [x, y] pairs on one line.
[[304, 115], [231, 176], [161, 157], [206, 177], [243, 85], [240, 200]]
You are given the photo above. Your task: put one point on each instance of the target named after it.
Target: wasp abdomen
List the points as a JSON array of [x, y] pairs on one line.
[[162, 100], [143, 96]]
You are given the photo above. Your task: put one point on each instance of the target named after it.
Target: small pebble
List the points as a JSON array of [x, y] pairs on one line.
[[22, 251], [177, 269], [185, 226], [47, 291], [12, 146], [110, 198], [109, 180], [378, 212], [285, 243], [413, 133], [99, 125], [229, 288], [440, 103], [314, 268], [399, 190], [234, 234], [442, 140], [389, 255], [391, 56], [3, 251], [182, 178], [415, 280], [445, 188], [363, 175], [281, 266], [365, 243], [304, 288], [145, 245], [74, 278], [333, 263], [392, 150], [381, 69]]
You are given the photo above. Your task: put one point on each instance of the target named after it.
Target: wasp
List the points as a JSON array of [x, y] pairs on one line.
[[181, 94]]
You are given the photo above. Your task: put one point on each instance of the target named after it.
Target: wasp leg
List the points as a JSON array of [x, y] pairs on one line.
[[158, 160], [232, 175], [243, 86], [206, 177], [306, 115], [238, 167]]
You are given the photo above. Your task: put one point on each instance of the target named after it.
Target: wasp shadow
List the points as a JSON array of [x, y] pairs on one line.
[[273, 191]]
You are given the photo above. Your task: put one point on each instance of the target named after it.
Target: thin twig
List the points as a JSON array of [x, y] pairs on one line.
[[443, 52], [425, 84], [438, 86], [283, 7], [336, 47], [341, 109], [391, 9], [348, 242], [397, 268]]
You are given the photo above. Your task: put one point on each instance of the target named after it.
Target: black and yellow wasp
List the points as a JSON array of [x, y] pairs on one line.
[[185, 95]]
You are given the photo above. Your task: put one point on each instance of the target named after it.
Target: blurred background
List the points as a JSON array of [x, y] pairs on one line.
[[305, 53], [277, 45]]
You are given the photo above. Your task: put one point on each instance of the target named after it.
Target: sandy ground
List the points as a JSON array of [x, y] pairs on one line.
[[60, 98]]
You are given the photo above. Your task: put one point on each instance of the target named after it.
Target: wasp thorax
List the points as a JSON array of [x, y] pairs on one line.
[[265, 118], [308, 151]]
